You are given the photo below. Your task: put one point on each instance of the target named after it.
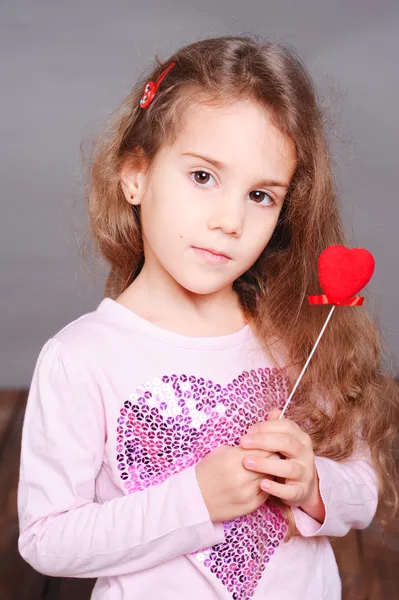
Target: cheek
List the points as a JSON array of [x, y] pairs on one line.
[[185, 221], [161, 214], [260, 230]]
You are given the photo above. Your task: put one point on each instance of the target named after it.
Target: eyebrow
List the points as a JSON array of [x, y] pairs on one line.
[[223, 167]]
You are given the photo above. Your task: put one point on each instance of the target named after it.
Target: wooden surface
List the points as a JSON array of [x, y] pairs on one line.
[[368, 563]]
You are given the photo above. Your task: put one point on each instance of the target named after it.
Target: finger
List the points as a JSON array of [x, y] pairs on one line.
[[256, 453], [274, 425], [258, 499], [280, 426], [274, 414], [286, 469], [259, 490], [291, 493], [283, 443]]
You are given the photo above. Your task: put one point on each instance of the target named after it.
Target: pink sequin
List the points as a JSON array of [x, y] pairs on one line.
[[171, 423]]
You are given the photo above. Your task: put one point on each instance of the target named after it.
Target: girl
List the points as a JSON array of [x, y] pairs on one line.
[[152, 456]]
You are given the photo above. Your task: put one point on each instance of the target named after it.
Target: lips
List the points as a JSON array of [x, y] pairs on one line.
[[212, 251]]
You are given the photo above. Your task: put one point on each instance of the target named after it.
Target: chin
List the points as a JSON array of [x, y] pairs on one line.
[[203, 285]]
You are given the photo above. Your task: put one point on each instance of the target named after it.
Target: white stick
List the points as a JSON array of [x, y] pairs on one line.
[[307, 362]]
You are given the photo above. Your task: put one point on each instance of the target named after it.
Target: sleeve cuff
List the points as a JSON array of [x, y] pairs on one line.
[[306, 525], [349, 492], [208, 533]]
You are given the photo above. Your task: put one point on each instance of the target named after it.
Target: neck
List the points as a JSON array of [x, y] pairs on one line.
[[163, 301]]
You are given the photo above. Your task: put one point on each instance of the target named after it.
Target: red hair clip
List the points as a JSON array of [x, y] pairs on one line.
[[151, 88]]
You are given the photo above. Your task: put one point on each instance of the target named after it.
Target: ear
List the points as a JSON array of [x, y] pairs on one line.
[[133, 179]]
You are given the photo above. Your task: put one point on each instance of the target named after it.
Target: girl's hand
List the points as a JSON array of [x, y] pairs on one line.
[[228, 488], [298, 470]]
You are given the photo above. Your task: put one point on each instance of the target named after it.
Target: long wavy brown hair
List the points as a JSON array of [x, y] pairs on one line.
[[346, 369]]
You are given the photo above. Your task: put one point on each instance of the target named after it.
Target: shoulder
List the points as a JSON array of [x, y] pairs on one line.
[[94, 333], [87, 341], [65, 379], [90, 326]]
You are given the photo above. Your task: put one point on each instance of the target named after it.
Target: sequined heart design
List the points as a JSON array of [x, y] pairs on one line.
[[171, 423]]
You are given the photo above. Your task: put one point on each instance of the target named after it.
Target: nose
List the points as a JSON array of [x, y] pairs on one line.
[[228, 215]]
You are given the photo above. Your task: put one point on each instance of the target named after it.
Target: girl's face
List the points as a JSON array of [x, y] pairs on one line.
[[210, 203]]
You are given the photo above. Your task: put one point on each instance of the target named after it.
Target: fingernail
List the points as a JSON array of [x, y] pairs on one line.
[[247, 440], [265, 485], [250, 462]]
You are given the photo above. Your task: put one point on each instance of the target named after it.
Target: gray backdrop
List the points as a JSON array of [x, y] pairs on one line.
[[66, 65]]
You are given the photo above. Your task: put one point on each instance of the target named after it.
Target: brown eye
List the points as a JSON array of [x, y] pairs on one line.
[[201, 176], [259, 197]]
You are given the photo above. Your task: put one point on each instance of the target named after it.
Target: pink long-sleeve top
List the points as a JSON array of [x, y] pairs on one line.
[[119, 413]]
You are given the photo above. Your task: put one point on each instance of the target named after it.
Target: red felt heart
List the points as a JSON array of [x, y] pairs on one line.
[[344, 272]]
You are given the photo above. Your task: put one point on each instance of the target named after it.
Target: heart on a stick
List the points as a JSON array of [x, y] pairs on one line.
[[343, 272]]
